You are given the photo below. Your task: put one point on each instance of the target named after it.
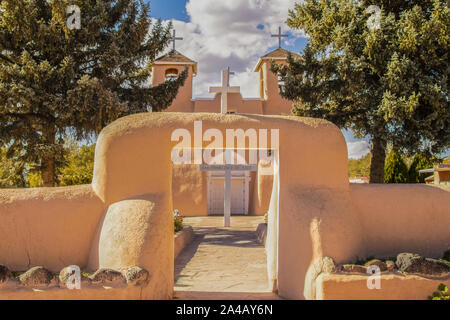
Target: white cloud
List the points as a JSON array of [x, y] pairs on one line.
[[358, 149], [226, 33]]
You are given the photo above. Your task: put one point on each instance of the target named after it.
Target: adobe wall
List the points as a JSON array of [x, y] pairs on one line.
[[189, 190], [52, 227], [403, 218], [393, 287]]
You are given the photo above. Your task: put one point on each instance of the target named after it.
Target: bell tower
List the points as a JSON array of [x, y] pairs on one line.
[[168, 67], [270, 84]]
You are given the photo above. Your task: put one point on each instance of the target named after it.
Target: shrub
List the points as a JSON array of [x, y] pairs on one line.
[[79, 165], [395, 170], [423, 160], [441, 294], [177, 220]]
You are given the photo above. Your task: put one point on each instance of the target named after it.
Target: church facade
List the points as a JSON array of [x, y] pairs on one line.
[[269, 101], [199, 192]]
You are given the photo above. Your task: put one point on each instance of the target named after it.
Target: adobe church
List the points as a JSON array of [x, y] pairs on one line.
[[198, 192]]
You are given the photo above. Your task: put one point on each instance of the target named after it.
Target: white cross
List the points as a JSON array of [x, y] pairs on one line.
[[225, 89], [279, 36]]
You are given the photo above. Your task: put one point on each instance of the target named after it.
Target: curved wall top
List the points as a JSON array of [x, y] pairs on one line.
[[133, 154]]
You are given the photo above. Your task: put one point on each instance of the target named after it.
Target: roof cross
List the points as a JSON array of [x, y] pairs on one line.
[[174, 39], [279, 36]]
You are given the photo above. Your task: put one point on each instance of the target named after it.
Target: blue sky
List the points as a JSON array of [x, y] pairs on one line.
[[176, 9], [169, 9]]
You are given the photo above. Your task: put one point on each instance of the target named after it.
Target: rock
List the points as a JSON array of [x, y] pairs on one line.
[[36, 277], [136, 276], [378, 263], [390, 265], [414, 263], [107, 276], [5, 274], [353, 268], [328, 265]]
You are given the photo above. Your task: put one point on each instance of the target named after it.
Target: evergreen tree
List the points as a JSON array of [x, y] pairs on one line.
[[388, 81], [12, 170], [56, 80], [422, 160], [395, 169]]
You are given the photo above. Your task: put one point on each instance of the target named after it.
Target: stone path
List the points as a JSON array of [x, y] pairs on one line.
[[222, 263]]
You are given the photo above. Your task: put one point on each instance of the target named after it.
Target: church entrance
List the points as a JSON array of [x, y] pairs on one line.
[[239, 193]]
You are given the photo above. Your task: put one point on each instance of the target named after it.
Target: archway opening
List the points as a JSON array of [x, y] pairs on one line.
[[223, 258]]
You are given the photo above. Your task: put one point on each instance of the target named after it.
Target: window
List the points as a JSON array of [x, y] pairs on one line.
[[171, 74]]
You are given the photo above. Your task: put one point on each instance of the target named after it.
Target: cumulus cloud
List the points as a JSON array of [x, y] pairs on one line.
[[358, 149], [234, 33]]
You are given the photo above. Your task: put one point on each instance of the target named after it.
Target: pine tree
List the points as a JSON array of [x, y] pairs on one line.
[[395, 169], [388, 81], [56, 80], [422, 160], [12, 170]]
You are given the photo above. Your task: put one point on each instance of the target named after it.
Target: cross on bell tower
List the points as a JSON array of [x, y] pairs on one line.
[[279, 36], [174, 39]]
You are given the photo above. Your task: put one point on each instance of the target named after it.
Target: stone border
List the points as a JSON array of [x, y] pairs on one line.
[[182, 239], [328, 281], [261, 233], [40, 277]]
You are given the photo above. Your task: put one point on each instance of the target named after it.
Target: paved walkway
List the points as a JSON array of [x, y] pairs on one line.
[[222, 263]]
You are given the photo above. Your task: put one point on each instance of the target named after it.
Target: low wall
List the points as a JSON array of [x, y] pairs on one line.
[[53, 227], [402, 218], [182, 239], [393, 287]]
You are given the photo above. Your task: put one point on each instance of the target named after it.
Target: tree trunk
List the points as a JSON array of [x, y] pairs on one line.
[[378, 160], [48, 160]]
